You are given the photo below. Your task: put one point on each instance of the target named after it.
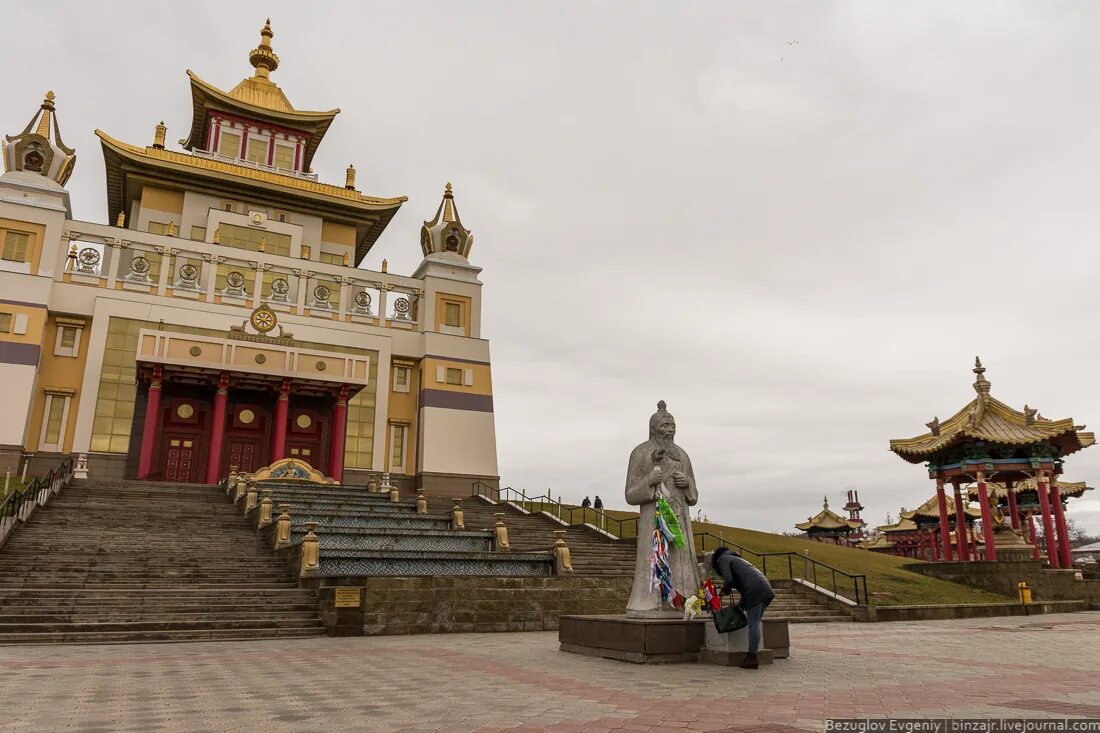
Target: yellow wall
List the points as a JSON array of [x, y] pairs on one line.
[[441, 300], [34, 242], [36, 321], [60, 373], [483, 380], [162, 200], [403, 408], [338, 233]]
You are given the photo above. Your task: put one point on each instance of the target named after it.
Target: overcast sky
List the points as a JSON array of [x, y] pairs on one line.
[[797, 223]]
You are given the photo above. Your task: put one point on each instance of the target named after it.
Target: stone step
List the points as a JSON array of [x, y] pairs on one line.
[[287, 592], [89, 636], [397, 563], [132, 616], [160, 625]]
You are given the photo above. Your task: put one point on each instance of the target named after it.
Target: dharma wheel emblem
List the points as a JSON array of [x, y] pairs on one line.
[[263, 319], [362, 299], [401, 305], [89, 257], [280, 286], [234, 280], [322, 292], [140, 265], [189, 273]]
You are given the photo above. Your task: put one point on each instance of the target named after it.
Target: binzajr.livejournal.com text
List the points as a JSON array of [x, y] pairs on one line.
[[963, 725]]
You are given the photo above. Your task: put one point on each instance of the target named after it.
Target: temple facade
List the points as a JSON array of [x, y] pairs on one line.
[[221, 318]]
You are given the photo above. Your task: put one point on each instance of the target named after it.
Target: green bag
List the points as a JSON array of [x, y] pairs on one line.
[[730, 618]]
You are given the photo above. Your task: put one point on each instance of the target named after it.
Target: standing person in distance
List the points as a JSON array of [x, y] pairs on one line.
[[755, 590], [599, 503], [586, 503]]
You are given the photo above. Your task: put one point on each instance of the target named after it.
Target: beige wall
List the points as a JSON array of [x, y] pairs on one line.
[[458, 441]]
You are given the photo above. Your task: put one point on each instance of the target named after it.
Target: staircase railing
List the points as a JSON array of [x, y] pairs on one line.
[[18, 506], [620, 528], [798, 566]]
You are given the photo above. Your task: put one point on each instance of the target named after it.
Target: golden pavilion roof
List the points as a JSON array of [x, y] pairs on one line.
[[827, 519], [256, 98], [931, 510], [369, 214], [879, 542], [902, 525], [998, 490], [988, 419]]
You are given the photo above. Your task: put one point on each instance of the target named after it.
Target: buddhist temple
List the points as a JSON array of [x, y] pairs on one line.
[[828, 526], [989, 442], [222, 317], [1019, 502]]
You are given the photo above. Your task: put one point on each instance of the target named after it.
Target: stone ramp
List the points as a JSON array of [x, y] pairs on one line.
[[130, 561]]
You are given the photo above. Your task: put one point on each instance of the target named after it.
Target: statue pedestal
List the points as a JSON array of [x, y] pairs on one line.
[[729, 649], [638, 640]]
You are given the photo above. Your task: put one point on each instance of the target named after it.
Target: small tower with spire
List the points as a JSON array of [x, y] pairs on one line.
[[445, 234], [39, 149], [854, 508]]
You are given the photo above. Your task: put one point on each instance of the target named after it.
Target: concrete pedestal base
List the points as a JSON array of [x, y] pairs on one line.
[[730, 649], [638, 640]]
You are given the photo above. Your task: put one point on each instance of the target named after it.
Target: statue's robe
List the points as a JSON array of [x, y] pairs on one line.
[[685, 569]]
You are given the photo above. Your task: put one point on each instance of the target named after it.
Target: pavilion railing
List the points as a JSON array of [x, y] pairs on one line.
[[775, 565], [18, 506]]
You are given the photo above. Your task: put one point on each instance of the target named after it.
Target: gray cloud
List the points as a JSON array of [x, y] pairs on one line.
[[800, 247]]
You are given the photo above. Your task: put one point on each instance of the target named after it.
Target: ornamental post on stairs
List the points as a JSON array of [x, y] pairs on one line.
[[500, 534], [457, 518], [563, 564], [394, 491], [250, 497], [265, 509], [282, 527], [231, 482], [242, 489], [421, 504], [311, 551]]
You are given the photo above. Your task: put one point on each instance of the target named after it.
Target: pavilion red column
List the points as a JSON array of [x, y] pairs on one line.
[[278, 438], [339, 427], [149, 429], [935, 545], [1048, 520], [1032, 537], [987, 519], [945, 523], [1013, 507], [960, 526], [1064, 557], [217, 430]]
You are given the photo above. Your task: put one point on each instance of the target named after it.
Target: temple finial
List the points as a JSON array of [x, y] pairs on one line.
[[263, 57], [826, 502]]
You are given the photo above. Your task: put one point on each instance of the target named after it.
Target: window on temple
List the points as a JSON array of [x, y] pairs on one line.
[[397, 452], [5, 322], [454, 376], [15, 246], [249, 238], [198, 234], [257, 151], [68, 341], [452, 314], [284, 157], [229, 145], [228, 206], [281, 216], [54, 424], [331, 258], [401, 379], [156, 227]]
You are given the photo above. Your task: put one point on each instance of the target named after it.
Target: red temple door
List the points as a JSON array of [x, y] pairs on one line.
[[242, 454], [180, 461]]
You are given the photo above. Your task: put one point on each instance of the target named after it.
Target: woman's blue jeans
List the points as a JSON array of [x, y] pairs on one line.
[[756, 629]]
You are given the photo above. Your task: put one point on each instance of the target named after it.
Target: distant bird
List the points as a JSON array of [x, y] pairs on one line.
[[792, 43]]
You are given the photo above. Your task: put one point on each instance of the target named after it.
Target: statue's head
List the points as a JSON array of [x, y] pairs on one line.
[[662, 425]]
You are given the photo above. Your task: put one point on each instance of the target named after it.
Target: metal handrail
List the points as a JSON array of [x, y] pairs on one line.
[[810, 566], [18, 505]]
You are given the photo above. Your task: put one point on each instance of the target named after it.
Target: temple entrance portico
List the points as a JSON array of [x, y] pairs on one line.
[[245, 401]]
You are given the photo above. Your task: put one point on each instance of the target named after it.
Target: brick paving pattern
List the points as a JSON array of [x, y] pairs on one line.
[[1038, 667]]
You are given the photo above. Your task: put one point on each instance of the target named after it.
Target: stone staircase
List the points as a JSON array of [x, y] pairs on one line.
[[142, 561], [592, 553], [366, 534]]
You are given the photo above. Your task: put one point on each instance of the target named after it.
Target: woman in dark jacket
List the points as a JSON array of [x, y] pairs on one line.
[[754, 588]]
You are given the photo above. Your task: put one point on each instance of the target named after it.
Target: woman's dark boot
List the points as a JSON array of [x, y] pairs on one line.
[[750, 662]]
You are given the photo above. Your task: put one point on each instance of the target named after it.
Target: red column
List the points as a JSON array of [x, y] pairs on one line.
[[987, 519], [278, 438], [217, 430], [339, 426], [1013, 508], [960, 526], [945, 523], [932, 540], [149, 429], [1031, 536], [1048, 520], [1064, 557]]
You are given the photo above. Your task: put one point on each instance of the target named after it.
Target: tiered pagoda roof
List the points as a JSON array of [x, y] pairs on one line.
[[930, 510], [828, 521], [989, 420], [999, 491]]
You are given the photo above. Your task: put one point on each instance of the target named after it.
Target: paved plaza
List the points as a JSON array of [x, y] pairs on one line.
[[1036, 667]]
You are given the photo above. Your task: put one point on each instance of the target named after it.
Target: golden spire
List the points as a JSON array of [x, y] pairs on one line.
[[349, 180], [448, 204], [158, 136], [47, 114], [263, 57]]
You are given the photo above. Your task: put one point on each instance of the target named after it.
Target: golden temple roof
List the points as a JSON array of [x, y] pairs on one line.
[[902, 525], [988, 419], [256, 98], [827, 519], [998, 490], [879, 542], [931, 509]]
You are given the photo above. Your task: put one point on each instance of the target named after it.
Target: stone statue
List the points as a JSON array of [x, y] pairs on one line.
[[659, 466]]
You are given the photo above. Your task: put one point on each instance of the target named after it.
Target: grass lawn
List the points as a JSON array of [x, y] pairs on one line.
[[887, 582]]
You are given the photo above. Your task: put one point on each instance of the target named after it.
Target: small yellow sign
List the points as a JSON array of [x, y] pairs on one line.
[[347, 597]]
